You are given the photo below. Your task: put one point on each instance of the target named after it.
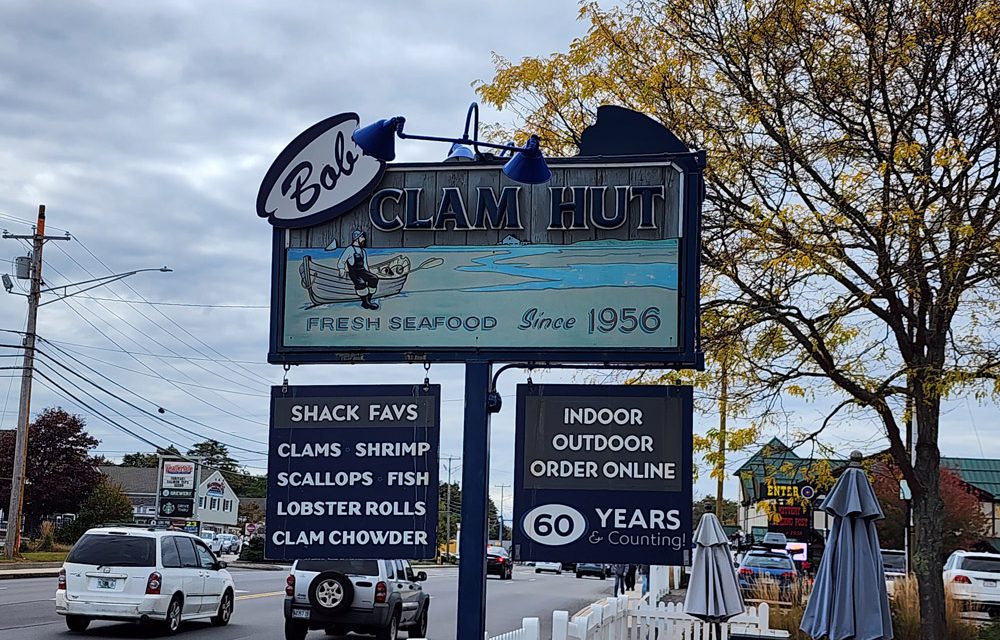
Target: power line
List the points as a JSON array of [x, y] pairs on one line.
[[154, 323], [159, 356], [196, 305], [144, 373], [159, 375], [171, 320], [147, 413], [111, 422]]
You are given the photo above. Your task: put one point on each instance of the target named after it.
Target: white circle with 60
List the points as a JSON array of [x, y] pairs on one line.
[[554, 525]]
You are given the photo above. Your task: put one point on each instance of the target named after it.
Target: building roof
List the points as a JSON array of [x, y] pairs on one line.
[[132, 480], [980, 473], [777, 462]]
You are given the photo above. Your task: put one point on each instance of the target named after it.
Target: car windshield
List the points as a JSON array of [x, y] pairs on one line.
[[769, 561], [981, 563], [894, 561], [115, 550], [347, 567], [497, 551], [207, 536]]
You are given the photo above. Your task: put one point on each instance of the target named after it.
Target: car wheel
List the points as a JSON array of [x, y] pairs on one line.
[[225, 612], [510, 574], [559, 573], [77, 623], [603, 577], [419, 629], [538, 570], [331, 592], [172, 623], [579, 575], [390, 631], [295, 630]]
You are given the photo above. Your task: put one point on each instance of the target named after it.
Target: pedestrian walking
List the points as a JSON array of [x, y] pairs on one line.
[[644, 574], [620, 571], [630, 577]]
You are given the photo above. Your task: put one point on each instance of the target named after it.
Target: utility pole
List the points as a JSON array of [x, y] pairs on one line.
[[13, 540], [500, 514], [447, 510]]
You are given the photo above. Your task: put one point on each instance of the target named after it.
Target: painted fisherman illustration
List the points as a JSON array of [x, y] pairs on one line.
[[354, 262]]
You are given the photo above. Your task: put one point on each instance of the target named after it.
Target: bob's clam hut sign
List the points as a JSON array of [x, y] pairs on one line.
[[432, 262], [595, 263]]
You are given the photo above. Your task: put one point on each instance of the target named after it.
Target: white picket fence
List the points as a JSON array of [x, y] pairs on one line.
[[529, 630], [624, 619]]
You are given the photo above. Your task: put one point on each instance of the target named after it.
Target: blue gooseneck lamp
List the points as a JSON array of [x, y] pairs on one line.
[[526, 166]]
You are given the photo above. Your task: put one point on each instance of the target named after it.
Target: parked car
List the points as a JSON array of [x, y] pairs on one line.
[[763, 566], [213, 540], [553, 567], [591, 569], [894, 566], [143, 575], [974, 580], [568, 566], [498, 563], [377, 597], [229, 543]]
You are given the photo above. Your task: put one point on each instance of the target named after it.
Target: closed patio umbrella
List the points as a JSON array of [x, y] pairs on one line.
[[849, 599], [713, 593]]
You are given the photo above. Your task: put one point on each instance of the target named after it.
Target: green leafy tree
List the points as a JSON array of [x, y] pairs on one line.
[[143, 459], [729, 514], [250, 512], [105, 503], [852, 198], [216, 455]]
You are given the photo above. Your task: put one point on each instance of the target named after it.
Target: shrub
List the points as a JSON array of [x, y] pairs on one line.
[[253, 550]]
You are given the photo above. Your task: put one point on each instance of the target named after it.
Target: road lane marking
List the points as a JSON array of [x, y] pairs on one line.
[[242, 591], [260, 595]]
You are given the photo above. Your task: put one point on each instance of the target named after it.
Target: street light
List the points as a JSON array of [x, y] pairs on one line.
[[526, 166], [13, 540]]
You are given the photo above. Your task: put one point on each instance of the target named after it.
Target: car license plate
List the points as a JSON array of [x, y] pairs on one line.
[[989, 583], [104, 583], [300, 613]]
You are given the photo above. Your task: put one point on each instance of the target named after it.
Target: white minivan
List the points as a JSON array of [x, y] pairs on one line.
[[143, 575]]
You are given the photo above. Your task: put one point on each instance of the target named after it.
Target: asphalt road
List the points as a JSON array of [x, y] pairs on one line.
[[27, 610]]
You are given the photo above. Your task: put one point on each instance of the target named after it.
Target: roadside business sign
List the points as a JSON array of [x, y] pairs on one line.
[[176, 485], [603, 473], [439, 261], [353, 472], [791, 520], [175, 508]]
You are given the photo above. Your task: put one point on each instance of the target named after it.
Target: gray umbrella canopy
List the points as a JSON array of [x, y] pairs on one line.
[[849, 599], [713, 593]]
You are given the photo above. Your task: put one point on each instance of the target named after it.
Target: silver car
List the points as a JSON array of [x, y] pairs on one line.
[[378, 597]]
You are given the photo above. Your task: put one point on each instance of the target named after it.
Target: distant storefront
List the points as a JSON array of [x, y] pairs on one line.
[[217, 504], [781, 491]]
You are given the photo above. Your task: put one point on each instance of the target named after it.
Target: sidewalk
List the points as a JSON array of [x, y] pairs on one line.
[[31, 570]]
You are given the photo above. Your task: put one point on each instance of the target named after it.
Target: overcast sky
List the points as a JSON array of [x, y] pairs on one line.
[[146, 128]]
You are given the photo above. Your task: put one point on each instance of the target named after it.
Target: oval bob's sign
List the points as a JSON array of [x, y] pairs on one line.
[[320, 175]]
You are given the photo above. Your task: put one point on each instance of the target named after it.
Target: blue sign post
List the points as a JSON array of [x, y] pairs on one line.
[[353, 472], [603, 474]]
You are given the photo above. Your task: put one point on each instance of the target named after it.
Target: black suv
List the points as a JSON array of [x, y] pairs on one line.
[[378, 597]]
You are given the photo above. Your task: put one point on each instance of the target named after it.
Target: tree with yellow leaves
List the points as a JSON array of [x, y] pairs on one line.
[[852, 190]]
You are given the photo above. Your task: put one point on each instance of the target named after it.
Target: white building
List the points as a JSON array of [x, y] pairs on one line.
[[218, 505]]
